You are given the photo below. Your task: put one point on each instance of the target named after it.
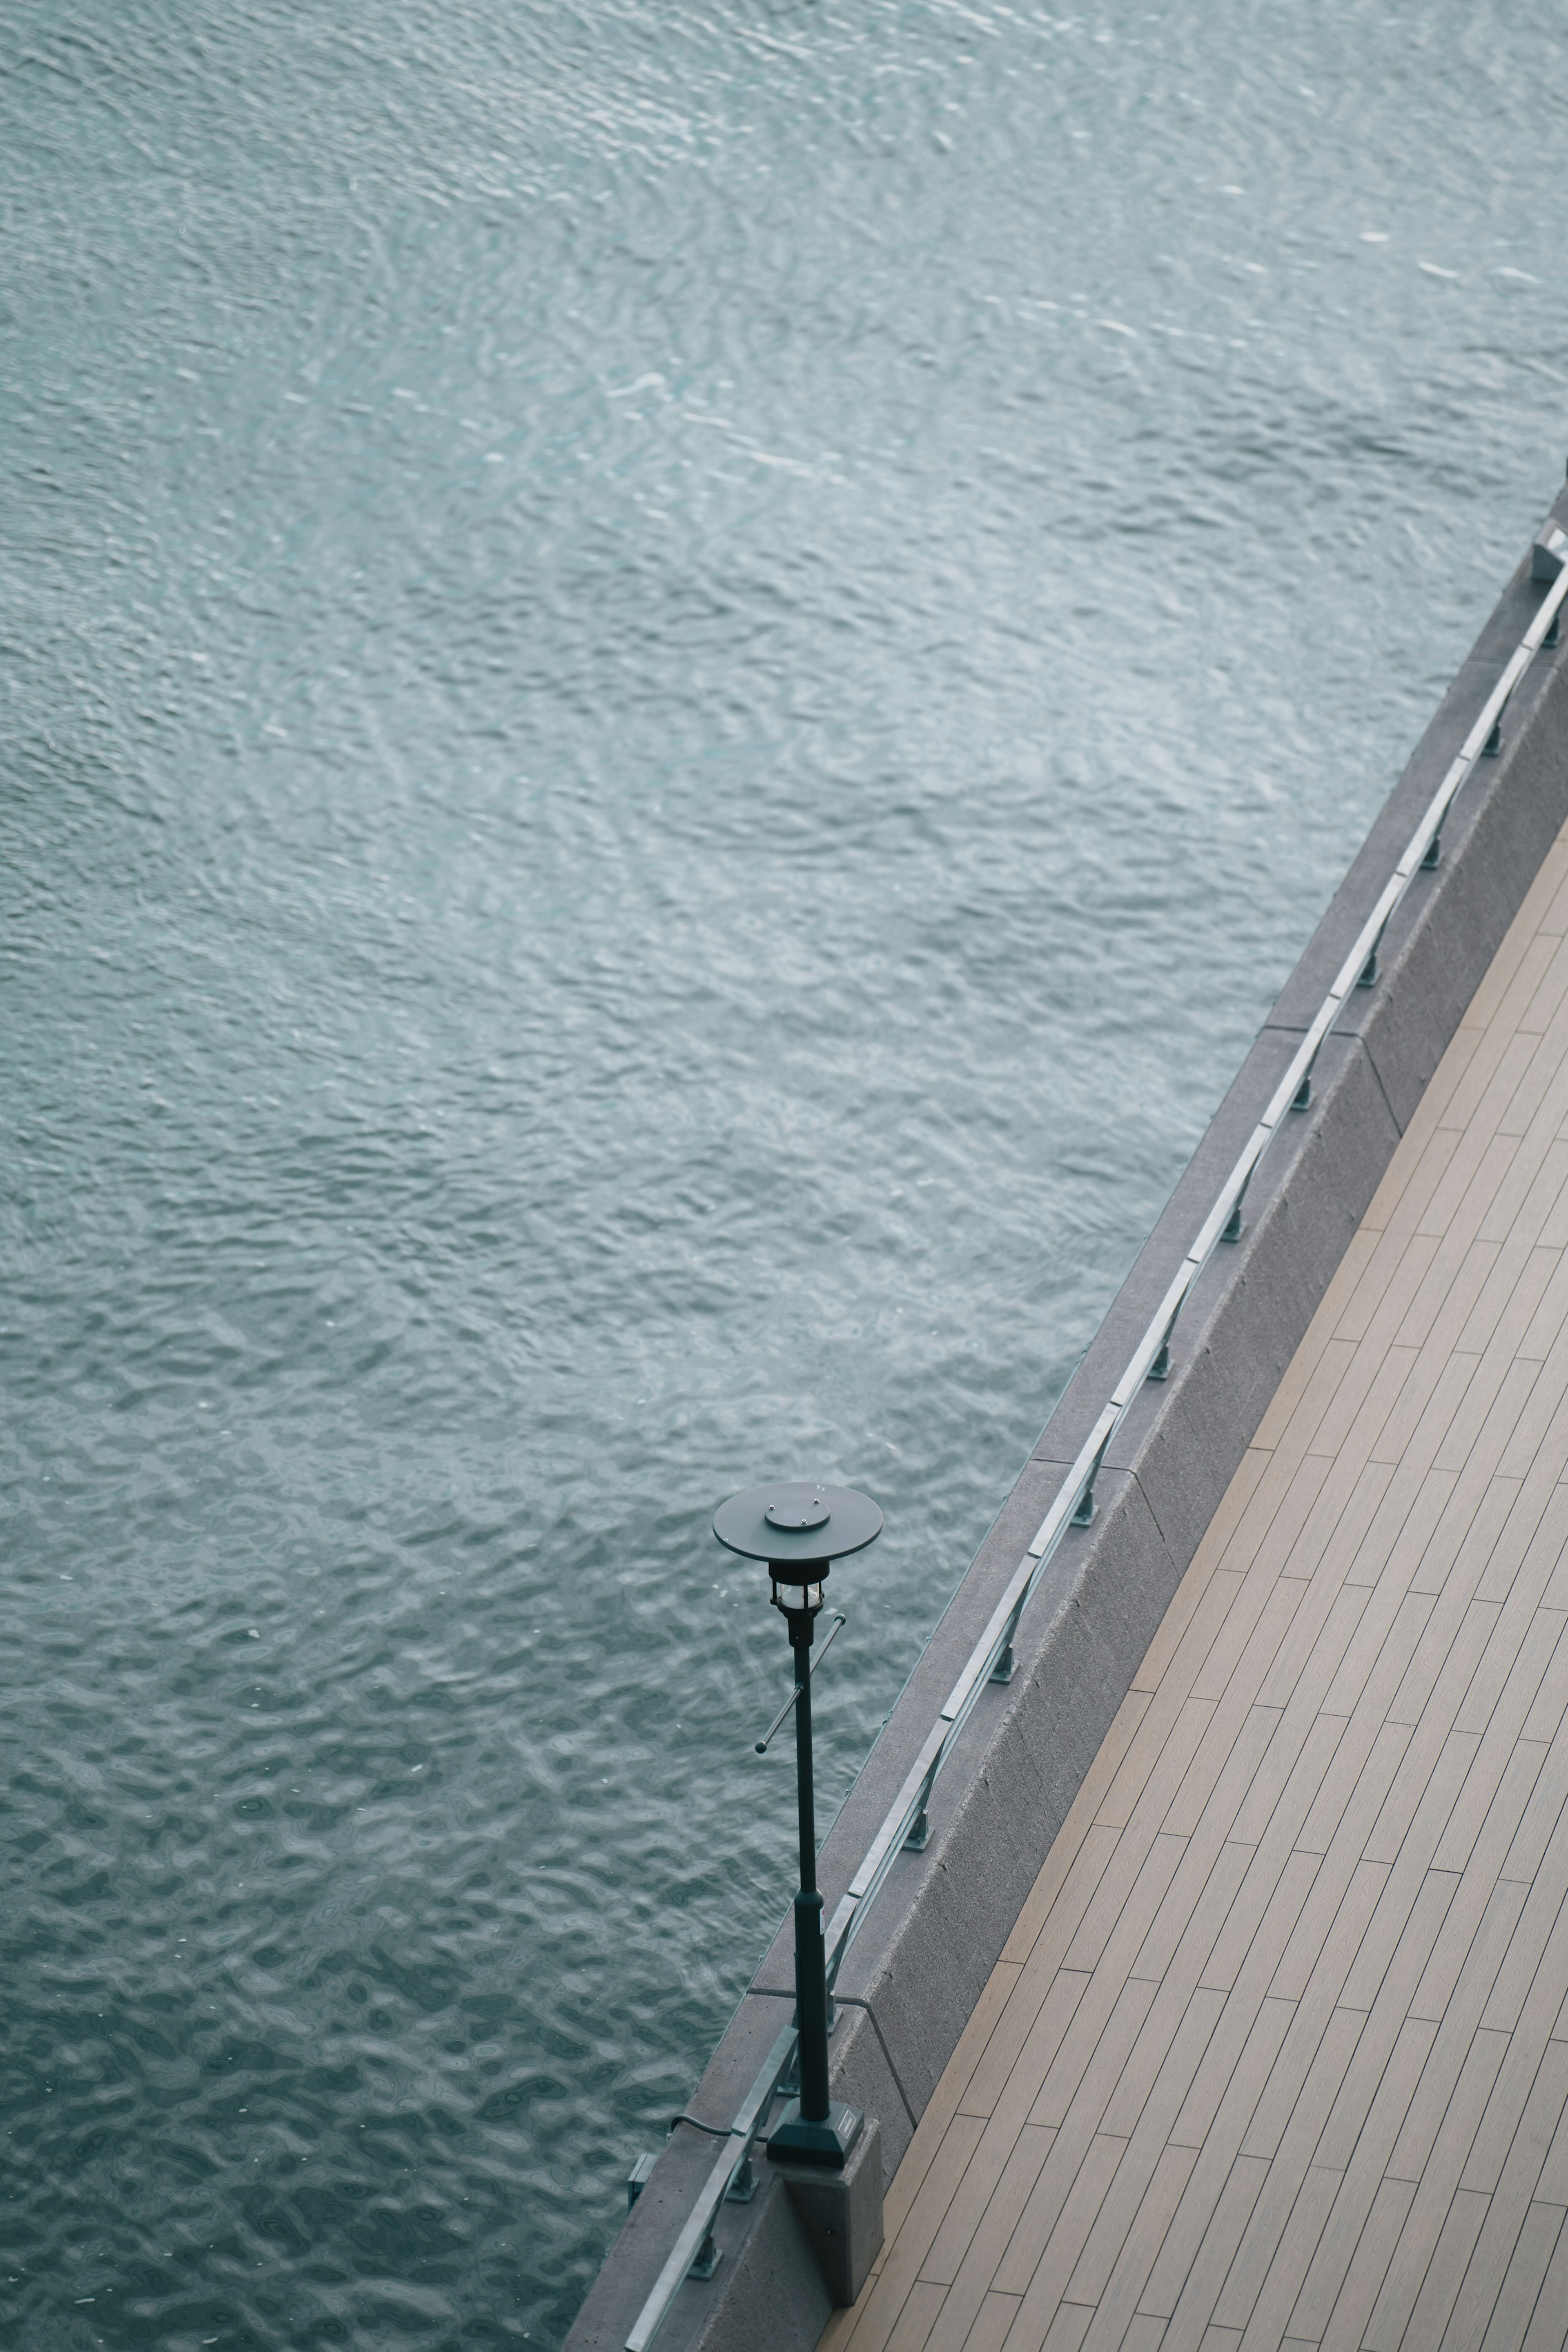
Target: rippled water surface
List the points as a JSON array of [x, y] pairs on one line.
[[675, 680]]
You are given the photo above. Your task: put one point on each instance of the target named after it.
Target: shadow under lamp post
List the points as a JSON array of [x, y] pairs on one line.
[[800, 1530]]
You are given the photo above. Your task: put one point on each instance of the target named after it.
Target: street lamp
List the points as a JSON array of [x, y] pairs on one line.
[[800, 1530]]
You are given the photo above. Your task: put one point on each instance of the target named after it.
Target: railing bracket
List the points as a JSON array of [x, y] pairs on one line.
[[1434, 856], [706, 2259], [709, 2257], [1302, 1097], [1493, 743]]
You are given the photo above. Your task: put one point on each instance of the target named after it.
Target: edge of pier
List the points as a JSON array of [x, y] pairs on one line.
[[912, 1978]]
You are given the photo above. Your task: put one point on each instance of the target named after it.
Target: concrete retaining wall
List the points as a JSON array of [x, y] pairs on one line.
[[918, 1967]]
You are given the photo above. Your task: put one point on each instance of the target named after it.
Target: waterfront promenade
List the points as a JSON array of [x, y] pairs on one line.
[[1277, 2054]]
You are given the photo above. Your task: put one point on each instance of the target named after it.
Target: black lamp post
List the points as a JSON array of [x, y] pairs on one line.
[[799, 1530]]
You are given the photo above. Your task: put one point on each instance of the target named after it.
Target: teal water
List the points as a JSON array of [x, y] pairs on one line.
[[676, 681]]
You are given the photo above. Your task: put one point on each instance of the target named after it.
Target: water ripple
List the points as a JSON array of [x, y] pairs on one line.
[[677, 681]]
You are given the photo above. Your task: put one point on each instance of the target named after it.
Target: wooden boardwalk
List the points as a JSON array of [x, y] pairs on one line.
[[1277, 2054]]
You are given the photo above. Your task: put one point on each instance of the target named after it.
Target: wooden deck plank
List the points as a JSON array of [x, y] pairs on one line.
[[971, 2283], [1548, 2329], [1515, 2305]]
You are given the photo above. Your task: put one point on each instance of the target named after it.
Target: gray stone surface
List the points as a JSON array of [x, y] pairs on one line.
[[768, 2291], [913, 1973], [1185, 1437], [839, 2214]]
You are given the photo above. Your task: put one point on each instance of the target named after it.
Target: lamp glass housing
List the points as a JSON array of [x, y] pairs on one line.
[[797, 1598]]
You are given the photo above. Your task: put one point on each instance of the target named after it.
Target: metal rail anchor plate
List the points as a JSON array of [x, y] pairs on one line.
[[1002, 1672], [1160, 1370], [1083, 1515], [708, 2257], [1235, 1226]]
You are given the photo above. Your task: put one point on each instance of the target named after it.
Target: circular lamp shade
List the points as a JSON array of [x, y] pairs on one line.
[[802, 1524]]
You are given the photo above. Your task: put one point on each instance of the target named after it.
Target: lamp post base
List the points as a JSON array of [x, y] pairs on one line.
[[793, 2140], [840, 2213]]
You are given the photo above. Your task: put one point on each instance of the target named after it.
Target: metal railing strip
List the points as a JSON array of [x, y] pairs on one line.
[[1077, 1489], [715, 2189]]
